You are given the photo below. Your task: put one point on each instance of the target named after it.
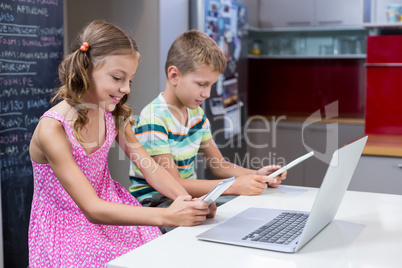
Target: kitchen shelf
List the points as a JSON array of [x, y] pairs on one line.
[[334, 28], [383, 28], [341, 56], [382, 25]]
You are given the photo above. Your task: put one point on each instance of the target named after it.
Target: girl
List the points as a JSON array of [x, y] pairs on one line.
[[79, 215]]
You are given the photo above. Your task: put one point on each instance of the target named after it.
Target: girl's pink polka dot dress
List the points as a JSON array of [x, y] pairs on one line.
[[59, 233]]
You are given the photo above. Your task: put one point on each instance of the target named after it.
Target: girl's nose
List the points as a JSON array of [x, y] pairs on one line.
[[126, 88]]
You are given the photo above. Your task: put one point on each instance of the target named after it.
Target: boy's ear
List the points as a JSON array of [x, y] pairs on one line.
[[173, 74]]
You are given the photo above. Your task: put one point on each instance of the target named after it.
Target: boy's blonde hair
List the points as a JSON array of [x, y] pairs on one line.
[[192, 50]]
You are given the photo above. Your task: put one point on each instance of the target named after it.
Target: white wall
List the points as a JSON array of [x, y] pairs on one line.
[[174, 20], [154, 24]]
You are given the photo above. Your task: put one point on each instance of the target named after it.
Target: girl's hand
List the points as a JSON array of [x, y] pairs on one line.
[[212, 210], [212, 207], [185, 212]]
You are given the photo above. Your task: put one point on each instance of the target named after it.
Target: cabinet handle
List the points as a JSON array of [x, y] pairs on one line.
[[289, 127], [299, 23], [320, 129], [383, 65], [327, 22]]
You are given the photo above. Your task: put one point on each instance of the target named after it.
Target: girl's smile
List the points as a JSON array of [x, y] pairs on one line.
[[111, 80]]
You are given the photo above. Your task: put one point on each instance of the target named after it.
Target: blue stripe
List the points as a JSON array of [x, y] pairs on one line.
[[150, 127], [139, 193], [138, 180], [193, 130], [185, 162]]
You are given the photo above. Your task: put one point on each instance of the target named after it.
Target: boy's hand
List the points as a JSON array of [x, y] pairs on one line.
[[185, 212], [253, 184], [265, 171]]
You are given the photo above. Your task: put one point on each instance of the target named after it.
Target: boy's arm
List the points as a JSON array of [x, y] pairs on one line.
[[151, 170], [219, 167], [249, 184], [248, 180]]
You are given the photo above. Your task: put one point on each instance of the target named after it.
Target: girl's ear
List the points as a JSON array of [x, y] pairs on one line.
[[173, 74]]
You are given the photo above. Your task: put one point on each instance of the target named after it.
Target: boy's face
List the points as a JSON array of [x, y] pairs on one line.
[[193, 88]]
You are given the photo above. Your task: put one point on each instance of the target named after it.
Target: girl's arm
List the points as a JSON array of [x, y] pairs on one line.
[[196, 188], [57, 152], [156, 176]]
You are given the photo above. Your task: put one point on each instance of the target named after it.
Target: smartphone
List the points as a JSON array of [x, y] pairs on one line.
[[291, 164], [218, 190]]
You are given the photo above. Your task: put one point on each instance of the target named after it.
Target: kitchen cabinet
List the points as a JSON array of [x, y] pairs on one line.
[[325, 138], [305, 13], [380, 167], [283, 141], [383, 94], [322, 138], [378, 174], [276, 143], [338, 12], [301, 86], [286, 13]]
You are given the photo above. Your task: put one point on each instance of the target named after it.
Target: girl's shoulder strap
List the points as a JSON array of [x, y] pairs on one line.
[[110, 125], [55, 115]]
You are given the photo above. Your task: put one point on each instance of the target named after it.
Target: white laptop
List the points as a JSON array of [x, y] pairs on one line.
[[258, 227]]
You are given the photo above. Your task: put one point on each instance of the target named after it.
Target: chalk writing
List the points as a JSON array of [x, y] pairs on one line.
[[31, 47], [15, 66], [32, 10], [18, 30]]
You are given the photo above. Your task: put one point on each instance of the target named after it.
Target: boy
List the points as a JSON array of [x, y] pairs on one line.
[[174, 127]]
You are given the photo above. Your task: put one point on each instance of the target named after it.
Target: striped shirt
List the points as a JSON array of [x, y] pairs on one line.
[[161, 133]]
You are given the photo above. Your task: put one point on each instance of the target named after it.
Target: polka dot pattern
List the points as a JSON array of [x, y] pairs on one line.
[[59, 233]]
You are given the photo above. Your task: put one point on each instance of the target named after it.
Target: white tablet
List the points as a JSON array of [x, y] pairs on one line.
[[291, 164], [218, 190]]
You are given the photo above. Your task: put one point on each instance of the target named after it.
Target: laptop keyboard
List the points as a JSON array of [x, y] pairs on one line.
[[281, 230]]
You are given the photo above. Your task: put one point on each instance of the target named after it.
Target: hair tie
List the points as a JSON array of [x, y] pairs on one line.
[[84, 47]]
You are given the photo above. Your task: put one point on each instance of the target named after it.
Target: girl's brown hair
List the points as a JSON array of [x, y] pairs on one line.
[[104, 39]]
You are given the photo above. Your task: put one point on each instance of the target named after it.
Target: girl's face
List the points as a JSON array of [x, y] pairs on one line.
[[110, 80], [194, 88]]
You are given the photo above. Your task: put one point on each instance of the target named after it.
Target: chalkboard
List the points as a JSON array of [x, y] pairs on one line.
[[31, 47]]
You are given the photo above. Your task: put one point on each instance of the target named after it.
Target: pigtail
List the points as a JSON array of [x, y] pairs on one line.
[[75, 82]]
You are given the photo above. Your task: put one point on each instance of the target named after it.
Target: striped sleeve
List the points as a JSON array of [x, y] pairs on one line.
[[152, 132]]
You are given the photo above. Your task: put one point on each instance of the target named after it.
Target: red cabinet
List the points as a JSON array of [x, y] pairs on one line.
[[384, 87], [300, 87]]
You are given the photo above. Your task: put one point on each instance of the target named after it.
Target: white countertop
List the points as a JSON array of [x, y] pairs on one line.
[[366, 232]]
